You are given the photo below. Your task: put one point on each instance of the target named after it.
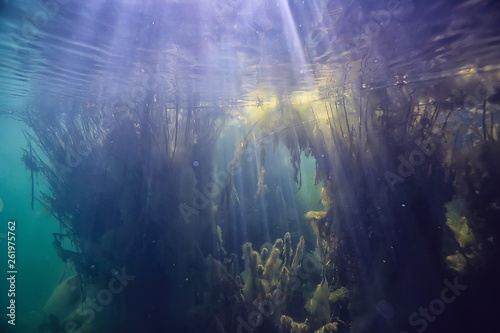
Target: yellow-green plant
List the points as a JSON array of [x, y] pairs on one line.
[[319, 305]]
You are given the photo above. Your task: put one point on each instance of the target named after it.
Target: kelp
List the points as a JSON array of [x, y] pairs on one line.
[[473, 218], [110, 173], [273, 281], [379, 164], [319, 306], [388, 161]]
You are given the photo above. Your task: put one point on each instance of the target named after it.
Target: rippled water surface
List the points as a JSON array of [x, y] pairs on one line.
[[225, 49]]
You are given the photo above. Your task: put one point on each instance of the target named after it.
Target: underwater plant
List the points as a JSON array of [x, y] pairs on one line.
[[319, 306], [368, 231], [390, 154], [473, 216], [267, 279], [124, 167], [374, 226]]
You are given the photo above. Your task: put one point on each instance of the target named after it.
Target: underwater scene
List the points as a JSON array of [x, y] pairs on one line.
[[250, 166]]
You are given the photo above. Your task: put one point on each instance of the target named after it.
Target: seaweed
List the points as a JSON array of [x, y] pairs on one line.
[[319, 306], [388, 170]]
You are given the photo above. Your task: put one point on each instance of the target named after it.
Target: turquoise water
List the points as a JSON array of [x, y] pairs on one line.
[[39, 269]]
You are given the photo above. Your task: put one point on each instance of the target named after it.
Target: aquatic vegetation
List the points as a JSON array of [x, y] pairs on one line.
[[124, 167], [252, 275], [272, 279], [465, 247], [321, 226], [462, 232], [474, 221], [319, 306], [297, 259], [366, 232], [261, 276], [31, 165], [338, 295], [273, 264], [132, 185], [328, 328], [287, 325], [360, 206], [319, 309]]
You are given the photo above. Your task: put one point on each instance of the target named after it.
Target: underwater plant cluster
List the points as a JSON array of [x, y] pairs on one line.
[[408, 202]]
